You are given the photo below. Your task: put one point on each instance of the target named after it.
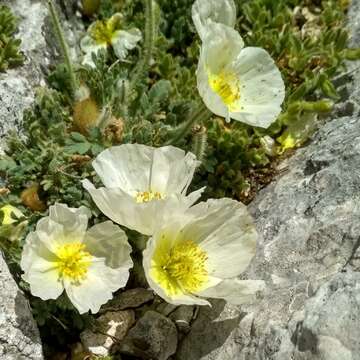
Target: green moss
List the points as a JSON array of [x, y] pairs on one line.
[[10, 55]]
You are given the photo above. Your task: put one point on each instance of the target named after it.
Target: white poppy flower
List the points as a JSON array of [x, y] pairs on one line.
[[236, 82], [219, 11], [88, 264], [143, 185], [199, 254], [102, 34]]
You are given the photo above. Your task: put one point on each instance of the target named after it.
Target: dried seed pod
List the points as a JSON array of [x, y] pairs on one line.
[[115, 130], [30, 198], [86, 115]]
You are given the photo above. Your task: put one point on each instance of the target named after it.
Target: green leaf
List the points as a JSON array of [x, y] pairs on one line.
[[80, 148]]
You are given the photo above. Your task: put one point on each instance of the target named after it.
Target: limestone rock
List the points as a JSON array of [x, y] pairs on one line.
[[308, 221], [19, 336], [112, 326], [153, 337], [39, 47]]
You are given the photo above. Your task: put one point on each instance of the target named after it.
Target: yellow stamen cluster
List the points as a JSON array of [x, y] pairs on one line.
[[226, 85], [73, 262], [181, 270], [147, 196], [103, 31]]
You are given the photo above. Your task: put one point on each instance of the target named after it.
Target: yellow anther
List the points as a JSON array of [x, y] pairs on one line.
[[146, 196], [182, 270], [73, 262], [226, 85]]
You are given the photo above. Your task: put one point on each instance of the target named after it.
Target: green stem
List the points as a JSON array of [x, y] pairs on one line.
[[64, 47], [197, 116], [144, 63]]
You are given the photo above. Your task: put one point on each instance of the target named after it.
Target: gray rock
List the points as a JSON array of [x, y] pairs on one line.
[[39, 47], [182, 317], [308, 221], [19, 336], [153, 337], [132, 298], [111, 328]]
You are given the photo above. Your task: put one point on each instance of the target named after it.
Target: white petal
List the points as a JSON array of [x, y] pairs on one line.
[[142, 217], [172, 170], [123, 41], [211, 99], [221, 46], [34, 247], [97, 288], [38, 264], [218, 11], [135, 167], [74, 220], [234, 291], [262, 88], [182, 299], [51, 233], [225, 230], [126, 167], [106, 240], [89, 46]]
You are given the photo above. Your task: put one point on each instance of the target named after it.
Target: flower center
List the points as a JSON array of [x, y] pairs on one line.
[[73, 262], [147, 196], [226, 85], [182, 270], [103, 31]]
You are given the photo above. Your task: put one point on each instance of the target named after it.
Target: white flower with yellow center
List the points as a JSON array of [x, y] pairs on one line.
[[236, 82], [219, 11], [105, 33], [143, 185], [199, 254], [61, 254]]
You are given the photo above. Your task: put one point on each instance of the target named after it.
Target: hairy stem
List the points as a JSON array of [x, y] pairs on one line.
[[200, 143], [144, 63], [198, 115], [64, 47]]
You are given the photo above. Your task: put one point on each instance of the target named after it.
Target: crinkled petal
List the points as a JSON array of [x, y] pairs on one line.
[[37, 262], [35, 247], [225, 231], [181, 299], [217, 11], [126, 167], [221, 46], [262, 88], [142, 217], [123, 41], [211, 99], [172, 170], [234, 291], [98, 287], [51, 233], [74, 220], [135, 167], [109, 241], [89, 46]]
